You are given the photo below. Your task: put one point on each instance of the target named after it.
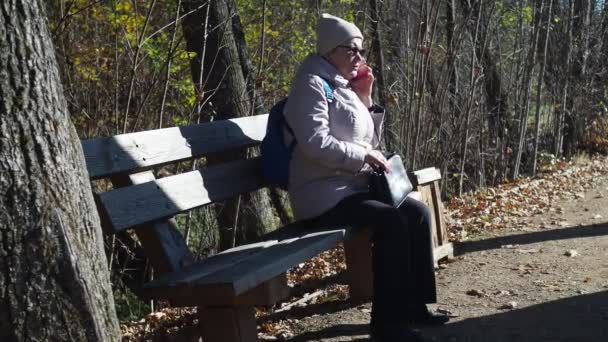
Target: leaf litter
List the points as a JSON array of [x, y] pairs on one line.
[[505, 206]]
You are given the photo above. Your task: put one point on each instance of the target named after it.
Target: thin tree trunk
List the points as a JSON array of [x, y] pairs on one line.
[[561, 119], [539, 88], [574, 122], [530, 63], [379, 72], [169, 60], [424, 44], [450, 25], [134, 65], [472, 83], [53, 273]]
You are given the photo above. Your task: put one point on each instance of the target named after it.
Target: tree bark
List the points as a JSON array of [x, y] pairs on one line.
[[378, 49], [539, 87], [470, 100], [530, 64], [54, 281], [450, 27], [574, 121], [565, 80], [278, 198], [224, 84], [497, 97]]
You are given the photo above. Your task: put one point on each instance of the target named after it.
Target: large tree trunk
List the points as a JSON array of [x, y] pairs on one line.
[[223, 81], [54, 279]]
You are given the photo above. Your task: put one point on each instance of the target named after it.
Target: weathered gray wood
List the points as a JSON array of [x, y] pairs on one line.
[[266, 294], [444, 251], [165, 197], [251, 270], [358, 253], [228, 324], [128, 153], [274, 260], [442, 234], [424, 176], [427, 198], [202, 268], [163, 244]]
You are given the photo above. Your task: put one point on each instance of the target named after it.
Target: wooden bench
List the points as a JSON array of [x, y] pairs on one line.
[[226, 287]]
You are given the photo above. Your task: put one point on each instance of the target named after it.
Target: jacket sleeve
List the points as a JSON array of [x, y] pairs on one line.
[[378, 114], [307, 113]]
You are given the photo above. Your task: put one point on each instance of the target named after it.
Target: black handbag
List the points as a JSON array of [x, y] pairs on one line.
[[391, 188]]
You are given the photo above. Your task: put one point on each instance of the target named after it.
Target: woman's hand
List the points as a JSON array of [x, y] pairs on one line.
[[377, 161], [363, 85]]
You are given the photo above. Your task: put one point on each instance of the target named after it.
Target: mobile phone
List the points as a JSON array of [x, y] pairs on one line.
[[361, 73]]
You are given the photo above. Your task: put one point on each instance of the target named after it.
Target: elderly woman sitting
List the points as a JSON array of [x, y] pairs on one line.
[[337, 139]]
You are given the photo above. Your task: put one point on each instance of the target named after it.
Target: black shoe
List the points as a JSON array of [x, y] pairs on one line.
[[394, 333], [424, 316]]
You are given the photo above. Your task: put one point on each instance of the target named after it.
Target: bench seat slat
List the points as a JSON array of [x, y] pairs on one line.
[[132, 152], [275, 260], [137, 204], [254, 269], [202, 268]]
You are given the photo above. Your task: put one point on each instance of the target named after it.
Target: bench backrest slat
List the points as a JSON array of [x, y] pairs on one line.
[[128, 153], [161, 240], [137, 204]]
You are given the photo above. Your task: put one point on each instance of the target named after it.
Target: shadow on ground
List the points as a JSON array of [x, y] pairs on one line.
[[528, 238], [341, 330], [578, 319]]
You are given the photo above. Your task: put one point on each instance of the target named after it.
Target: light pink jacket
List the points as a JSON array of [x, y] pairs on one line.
[[332, 139]]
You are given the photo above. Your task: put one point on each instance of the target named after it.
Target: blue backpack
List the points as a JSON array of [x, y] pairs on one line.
[[275, 154]]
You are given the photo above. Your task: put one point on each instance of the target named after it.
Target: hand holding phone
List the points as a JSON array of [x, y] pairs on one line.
[[362, 84], [363, 72]]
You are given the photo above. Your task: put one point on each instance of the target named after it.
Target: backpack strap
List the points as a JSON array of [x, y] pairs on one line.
[[329, 90], [329, 95]]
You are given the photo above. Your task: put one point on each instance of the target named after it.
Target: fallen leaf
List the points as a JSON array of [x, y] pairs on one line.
[[571, 253], [502, 293], [509, 306], [508, 246], [475, 293], [528, 250]]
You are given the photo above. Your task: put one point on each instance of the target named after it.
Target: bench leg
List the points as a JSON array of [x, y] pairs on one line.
[[228, 324], [358, 252]]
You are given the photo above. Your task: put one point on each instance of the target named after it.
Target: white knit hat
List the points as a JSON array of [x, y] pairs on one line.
[[333, 31]]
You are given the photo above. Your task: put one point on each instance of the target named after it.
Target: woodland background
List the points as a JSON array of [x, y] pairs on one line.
[[487, 91]]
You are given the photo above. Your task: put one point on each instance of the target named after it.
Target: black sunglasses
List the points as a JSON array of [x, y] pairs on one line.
[[353, 50]]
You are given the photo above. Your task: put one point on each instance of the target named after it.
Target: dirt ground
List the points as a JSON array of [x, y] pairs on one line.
[[546, 280], [531, 264]]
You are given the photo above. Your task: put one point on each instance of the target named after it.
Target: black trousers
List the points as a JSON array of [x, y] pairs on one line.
[[402, 253]]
